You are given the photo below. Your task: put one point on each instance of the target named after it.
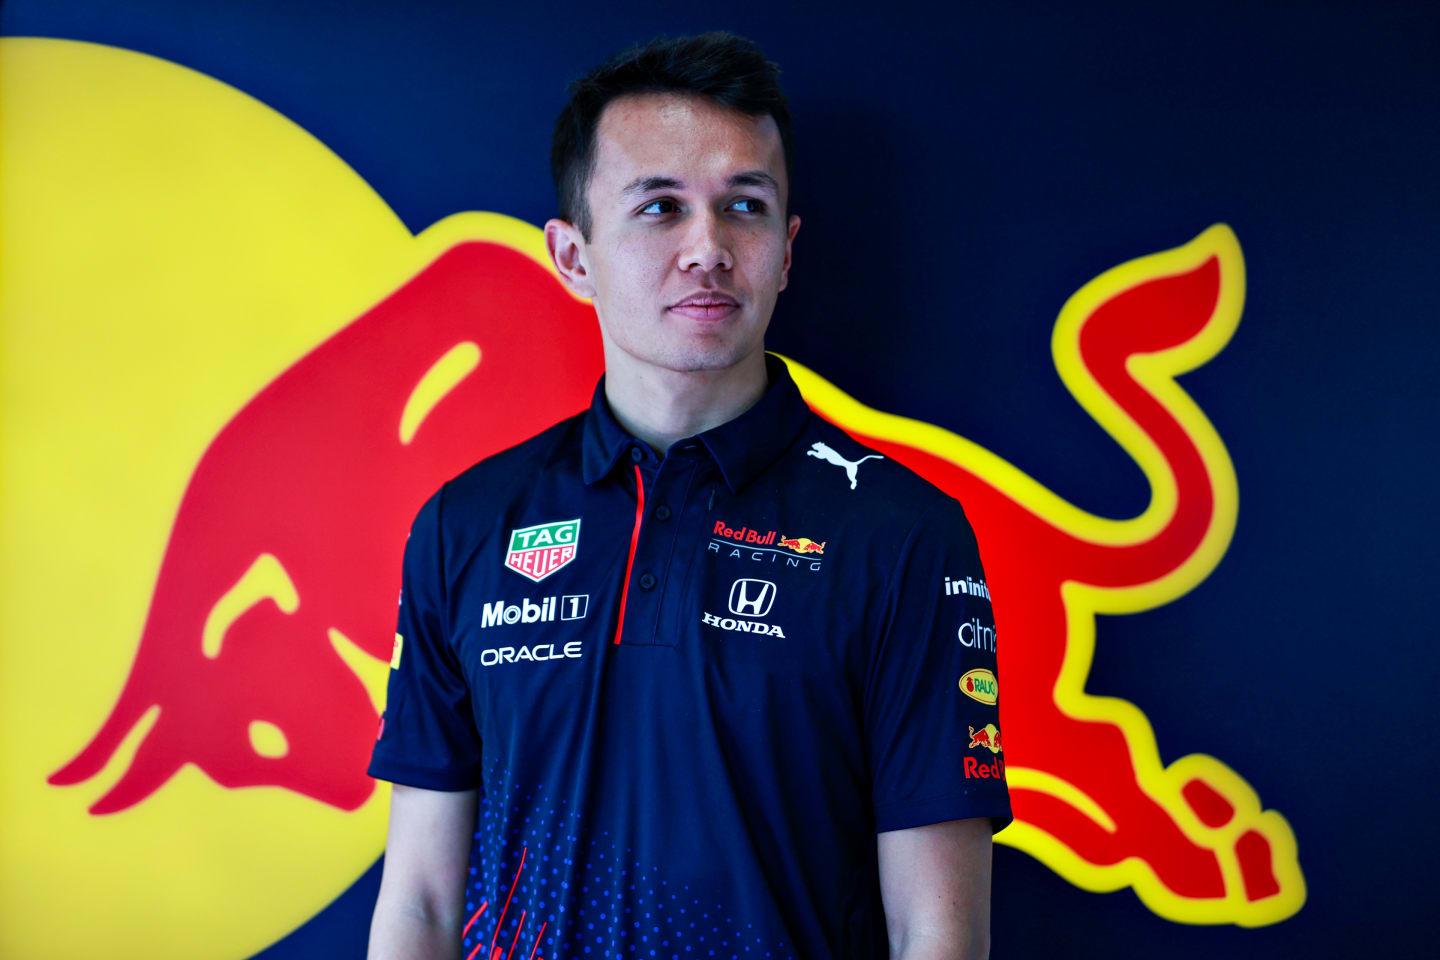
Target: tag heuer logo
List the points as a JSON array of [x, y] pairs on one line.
[[538, 551]]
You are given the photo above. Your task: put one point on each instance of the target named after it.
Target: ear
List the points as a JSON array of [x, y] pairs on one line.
[[791, 230], [567, 251]]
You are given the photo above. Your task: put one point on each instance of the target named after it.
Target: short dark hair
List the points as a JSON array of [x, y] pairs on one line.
[[728, 69]]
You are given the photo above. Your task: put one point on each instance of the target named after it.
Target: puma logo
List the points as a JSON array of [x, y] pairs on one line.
[[827, 453]]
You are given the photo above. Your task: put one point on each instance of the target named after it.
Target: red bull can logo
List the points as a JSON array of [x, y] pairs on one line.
[[801, 544], [987, 736]]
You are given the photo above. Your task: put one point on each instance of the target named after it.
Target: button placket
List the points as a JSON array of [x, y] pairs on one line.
[[671, 484]]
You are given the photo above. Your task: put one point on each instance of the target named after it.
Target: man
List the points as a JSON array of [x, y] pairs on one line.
[[723, 678]]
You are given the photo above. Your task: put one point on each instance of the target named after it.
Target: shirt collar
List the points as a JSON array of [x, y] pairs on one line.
[[741, 447]]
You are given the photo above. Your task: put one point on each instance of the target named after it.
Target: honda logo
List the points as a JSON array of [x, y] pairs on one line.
[[751, 598]]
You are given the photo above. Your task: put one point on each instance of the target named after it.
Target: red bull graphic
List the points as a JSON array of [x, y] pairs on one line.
[[801, 544], [987, 736], [763, 538], [273, 595], [287, 544], [1090, 797]]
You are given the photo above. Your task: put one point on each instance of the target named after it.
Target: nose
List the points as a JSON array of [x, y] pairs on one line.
[[707, 245]]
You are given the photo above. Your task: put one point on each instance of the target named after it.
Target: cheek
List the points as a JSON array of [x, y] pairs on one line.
[[638, 263], [766, 253]]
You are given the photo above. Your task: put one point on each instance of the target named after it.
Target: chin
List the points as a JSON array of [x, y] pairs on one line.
[[697, 359]]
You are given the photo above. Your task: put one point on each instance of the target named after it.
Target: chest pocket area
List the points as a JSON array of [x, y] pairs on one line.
[[761, 613]]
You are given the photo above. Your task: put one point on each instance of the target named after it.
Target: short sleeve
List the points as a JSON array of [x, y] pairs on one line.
[[427, 736], [932, 699]]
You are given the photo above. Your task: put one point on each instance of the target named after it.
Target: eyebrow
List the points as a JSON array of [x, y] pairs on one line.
[[750, 178]]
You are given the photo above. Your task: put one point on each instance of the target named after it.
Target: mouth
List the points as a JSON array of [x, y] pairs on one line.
[[706, 306]]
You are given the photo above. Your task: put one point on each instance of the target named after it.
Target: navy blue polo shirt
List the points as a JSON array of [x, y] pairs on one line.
[[691, 689]]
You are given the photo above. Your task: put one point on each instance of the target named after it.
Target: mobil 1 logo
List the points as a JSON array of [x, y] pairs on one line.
[[571, 606]]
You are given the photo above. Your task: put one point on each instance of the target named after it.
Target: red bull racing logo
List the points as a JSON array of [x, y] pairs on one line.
[[802, 545], [750, 535], [765, 546]]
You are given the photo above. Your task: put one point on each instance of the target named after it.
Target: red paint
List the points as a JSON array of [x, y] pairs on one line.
[[1212, 809], [1026, 561], [1253, 852], [312, 470]]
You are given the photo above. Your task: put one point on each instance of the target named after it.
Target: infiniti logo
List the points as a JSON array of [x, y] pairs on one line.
[[751, 598]]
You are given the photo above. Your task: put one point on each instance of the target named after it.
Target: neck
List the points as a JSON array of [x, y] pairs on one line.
[[662, 406]]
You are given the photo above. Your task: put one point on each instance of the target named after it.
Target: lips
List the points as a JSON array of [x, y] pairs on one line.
[[706, 306]]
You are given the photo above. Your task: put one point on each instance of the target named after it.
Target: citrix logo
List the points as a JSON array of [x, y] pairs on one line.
[[571, 607], [975, 634]]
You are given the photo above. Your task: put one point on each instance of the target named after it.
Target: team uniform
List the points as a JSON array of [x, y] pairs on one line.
[[692, 689]]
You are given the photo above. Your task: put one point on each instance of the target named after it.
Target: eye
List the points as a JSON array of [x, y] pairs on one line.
[[656, 203], [756, 206]]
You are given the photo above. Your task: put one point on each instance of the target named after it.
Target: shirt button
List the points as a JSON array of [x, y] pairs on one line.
[[647, 581], [636, 455], [662, 512]]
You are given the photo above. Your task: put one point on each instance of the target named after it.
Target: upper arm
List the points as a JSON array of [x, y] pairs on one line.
[[427, 853], [931, 702], [935, 885]]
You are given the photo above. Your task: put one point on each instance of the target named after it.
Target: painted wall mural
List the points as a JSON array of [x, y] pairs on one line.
[[233, 374]]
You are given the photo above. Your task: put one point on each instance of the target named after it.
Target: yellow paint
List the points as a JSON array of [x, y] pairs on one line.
[[1157, 373], [267, 739], [170, 245], [442, 377], [1025, 778], [372, 673], [265, 580]]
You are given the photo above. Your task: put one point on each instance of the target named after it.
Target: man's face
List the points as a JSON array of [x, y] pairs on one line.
[[689, 246]]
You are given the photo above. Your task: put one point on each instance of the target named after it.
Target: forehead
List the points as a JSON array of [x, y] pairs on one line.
[[687, 137]]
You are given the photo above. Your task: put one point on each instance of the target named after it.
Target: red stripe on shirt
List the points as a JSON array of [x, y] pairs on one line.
[[634, 542]]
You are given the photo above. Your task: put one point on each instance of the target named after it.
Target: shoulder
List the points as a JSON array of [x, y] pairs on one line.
[[549, 449], [882, 512], [488, 486], [885, 492]]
